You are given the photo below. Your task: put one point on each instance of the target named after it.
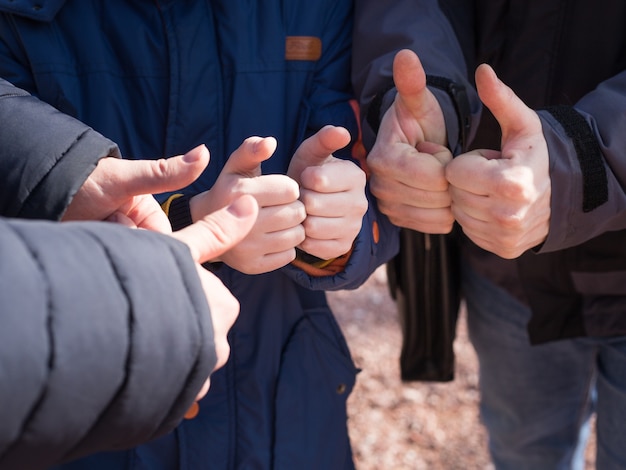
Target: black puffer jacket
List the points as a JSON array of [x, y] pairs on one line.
[[567, 60], [92, 356]]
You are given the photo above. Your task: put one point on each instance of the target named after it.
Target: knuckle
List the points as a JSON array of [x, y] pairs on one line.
[[161, 167], [292, 189], [300, 235], [508, 220], [300, 212], [361, 205], [309, 201]]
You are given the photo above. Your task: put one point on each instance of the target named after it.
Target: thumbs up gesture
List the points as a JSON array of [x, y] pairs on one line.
[[208, 238], [332, 191], [271, 242], [408, 158], [502, 198]]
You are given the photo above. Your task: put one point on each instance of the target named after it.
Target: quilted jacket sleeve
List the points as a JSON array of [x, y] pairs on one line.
[[97, 351], [45, 156]]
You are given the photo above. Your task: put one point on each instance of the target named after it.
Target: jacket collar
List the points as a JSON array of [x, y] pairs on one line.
[[40, 10]]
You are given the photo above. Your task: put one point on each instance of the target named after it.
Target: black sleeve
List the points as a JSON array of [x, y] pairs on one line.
[[45, 156], [98, 350]]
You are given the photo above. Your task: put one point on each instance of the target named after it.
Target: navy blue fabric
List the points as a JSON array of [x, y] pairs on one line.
[[159, 78]]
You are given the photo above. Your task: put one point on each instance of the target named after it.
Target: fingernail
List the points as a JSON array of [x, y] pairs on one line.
[[193, 156]]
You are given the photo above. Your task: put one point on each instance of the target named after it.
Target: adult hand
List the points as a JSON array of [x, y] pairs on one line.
[[207, 239], [278, 230], [333, 193], [408, 158], [502, 199], [122, 190]]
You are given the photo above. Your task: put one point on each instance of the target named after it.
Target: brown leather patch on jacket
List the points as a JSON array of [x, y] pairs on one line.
[[303, 48]]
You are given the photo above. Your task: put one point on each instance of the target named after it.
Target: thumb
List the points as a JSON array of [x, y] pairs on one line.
[[136, 177], [247, 159], [218, 232], [515, 118], [318, 149], [417, 111], [410, 80]]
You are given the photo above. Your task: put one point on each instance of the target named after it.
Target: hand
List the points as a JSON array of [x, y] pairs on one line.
[[278, 230], [333, 193], [121, 190], [207, 239], [502, 199], [408, 158]]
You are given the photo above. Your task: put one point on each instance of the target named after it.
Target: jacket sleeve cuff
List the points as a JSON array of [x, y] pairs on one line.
[[176, 207], [317, 267]]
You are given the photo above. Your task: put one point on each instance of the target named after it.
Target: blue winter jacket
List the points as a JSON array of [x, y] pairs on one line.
[[160, 77]]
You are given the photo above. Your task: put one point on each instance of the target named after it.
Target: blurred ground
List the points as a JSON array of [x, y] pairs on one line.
[[407, 426]]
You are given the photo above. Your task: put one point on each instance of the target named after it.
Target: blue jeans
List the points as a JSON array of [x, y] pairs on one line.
[[536, 401]]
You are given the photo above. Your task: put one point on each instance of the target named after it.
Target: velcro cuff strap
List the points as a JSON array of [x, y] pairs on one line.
[[595, 182], [373, 116], [458, 95]]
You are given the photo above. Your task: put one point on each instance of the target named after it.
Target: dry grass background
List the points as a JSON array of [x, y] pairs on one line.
[[408, 426]]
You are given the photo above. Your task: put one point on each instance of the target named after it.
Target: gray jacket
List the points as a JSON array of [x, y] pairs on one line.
[[575, 280]]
